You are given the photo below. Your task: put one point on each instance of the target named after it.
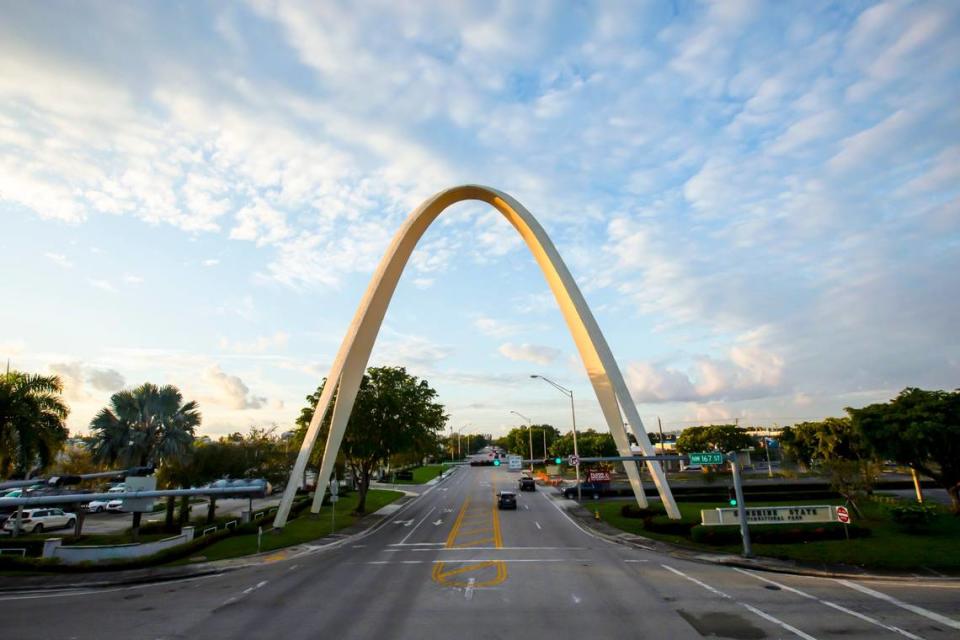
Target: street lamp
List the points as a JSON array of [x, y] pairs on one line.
[[529, 435], [573, 416]]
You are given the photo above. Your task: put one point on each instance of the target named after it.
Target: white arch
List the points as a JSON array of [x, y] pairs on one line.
[[354, 353]]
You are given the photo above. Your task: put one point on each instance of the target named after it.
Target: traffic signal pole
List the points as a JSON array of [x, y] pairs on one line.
[[741, 508]]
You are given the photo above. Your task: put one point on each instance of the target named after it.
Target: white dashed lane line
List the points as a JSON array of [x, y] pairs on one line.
[[920, 611], [832, 605], [750, 608]]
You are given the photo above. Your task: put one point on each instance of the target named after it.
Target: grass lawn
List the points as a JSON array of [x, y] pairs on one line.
[[889, 547], [305, 528], [424, 474]]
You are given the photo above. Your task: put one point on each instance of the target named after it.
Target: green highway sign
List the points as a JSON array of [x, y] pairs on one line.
[[707, 457]]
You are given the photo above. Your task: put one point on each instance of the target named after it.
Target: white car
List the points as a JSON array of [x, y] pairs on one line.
[[99, 506], [38, 520]]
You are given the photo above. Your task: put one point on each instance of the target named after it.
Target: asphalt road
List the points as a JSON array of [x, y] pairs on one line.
[[450, 565]]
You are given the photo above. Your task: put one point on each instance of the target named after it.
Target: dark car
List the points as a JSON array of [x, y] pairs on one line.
[[527, 484], [591, 490], [506, 500]]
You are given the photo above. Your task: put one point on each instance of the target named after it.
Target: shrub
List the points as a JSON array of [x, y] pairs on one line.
[[913, 517], [633, 511], [777, 534]]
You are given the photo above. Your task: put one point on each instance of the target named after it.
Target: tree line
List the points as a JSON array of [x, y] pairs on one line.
[[396, 419]]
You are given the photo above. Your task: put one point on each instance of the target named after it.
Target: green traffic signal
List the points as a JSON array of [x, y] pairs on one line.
[[496, 463], [733, 502], [557, 460]]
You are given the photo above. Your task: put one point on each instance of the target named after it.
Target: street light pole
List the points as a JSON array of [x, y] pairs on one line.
[[573, 417], [529, 435]]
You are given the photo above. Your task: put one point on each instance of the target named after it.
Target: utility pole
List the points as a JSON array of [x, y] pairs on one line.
[[573, 417], [660, 427], [529, 435]]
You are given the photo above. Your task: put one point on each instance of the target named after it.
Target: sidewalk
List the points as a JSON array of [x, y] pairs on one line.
[[585, 518]]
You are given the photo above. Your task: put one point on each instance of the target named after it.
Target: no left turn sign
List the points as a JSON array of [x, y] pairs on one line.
[[573, 461]]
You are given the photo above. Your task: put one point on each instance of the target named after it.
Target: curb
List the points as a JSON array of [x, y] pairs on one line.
[[771, 565], [203, 569]]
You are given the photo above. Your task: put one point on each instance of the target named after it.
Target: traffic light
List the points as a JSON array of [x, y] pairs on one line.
[[557, 460], [732, 496], [496, 462]]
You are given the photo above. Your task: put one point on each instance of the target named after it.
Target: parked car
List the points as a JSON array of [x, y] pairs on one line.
[[38, 520], [527, 484], [99, 506], [506, 500]]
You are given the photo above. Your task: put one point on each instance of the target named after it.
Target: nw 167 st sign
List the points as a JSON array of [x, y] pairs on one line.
[[707, 457], [776, 515]]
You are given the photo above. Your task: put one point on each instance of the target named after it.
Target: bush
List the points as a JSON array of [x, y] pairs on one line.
[[913, 517], [777, 534], [633, 511]]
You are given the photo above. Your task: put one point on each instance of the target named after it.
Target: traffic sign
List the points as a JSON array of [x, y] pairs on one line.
[[843, 515], [334, 487], [573, 460], [707, 457]]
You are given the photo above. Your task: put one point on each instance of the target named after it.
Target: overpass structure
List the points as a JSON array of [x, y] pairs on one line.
[[351, 361]]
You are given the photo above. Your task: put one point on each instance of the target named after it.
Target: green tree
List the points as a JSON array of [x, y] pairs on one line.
[[148, 425], [920, 429], [32, 415], [800, 442], [393, 412], [590, 444], [715, 437]]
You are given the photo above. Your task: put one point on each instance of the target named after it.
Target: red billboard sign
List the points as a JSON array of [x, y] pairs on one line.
[[599, 476]]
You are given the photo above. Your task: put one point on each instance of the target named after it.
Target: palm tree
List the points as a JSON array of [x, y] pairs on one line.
[[148, 425], [32, 416], [144, 426]]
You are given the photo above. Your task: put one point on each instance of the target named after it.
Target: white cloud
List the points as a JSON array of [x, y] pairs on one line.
[[537, 354], [261, 344], [230, 391], [59, 259], [749, 371], [415, 352], [211, 262], [103, 285], [494, 327], [78, 380]]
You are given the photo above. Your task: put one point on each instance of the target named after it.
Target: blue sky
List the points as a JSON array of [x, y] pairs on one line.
[[758, 199]]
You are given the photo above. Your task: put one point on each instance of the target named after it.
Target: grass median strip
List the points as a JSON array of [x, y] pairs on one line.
[[424, 474], [888, 547], [306, 528]]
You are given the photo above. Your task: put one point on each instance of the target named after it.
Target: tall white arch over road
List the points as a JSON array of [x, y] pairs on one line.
[[354, 353]]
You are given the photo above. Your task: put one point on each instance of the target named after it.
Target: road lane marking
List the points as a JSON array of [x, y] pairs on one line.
[[468, 592], [832, 605], [504, 549], [406, 537], [631, 560], [750, 608], [470, 515], [68, 593], [920, 611], [255, 587], [416, 544], [538, 524]]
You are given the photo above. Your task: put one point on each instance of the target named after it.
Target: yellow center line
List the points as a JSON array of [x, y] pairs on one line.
[[472, 514]]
